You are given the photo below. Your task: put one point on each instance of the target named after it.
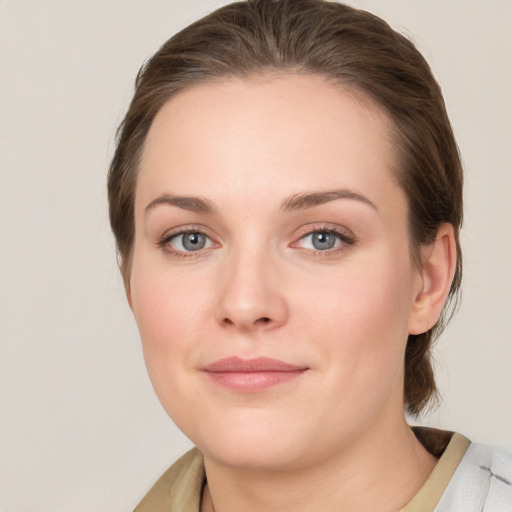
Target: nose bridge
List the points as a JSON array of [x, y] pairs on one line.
[[249, 293]]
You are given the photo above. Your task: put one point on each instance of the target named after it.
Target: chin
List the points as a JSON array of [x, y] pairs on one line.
[[253, 452], [257, 439]]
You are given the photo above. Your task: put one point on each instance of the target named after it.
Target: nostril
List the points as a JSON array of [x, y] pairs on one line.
[[262, 320]]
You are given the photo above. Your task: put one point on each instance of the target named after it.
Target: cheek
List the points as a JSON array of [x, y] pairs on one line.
[[361, 318], [169, 312]]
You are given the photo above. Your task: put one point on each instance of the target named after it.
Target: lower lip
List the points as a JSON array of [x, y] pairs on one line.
[[253, 381]]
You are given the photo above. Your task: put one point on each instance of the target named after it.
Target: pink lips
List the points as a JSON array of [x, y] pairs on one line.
[[251, 375]]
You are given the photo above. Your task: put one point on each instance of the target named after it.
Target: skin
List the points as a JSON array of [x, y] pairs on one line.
[[335, 438]]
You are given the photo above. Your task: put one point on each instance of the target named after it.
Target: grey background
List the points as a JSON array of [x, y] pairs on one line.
[[80, 427]]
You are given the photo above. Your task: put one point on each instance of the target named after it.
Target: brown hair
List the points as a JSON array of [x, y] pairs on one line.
[[345, 45]]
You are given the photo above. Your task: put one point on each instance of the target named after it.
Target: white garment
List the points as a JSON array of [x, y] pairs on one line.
[[481, 483]]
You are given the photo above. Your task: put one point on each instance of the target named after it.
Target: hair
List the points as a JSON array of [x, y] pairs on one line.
[[350, 47]]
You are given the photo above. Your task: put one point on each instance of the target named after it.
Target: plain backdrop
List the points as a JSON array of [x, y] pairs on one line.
[[80, 427]]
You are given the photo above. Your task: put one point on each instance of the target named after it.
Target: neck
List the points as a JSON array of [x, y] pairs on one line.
[[387, 465]]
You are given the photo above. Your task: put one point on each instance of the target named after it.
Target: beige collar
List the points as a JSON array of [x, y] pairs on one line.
[[455, 446], [181, 486]]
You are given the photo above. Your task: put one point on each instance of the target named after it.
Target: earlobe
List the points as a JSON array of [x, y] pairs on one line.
[[437, 271]]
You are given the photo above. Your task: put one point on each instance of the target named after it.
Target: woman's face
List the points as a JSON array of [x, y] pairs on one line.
[[269, 225]]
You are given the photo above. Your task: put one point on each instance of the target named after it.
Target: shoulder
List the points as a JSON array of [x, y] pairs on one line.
[[482, 482], [179, 488]]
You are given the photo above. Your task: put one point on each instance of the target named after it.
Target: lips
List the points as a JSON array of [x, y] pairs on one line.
[[251, 375]]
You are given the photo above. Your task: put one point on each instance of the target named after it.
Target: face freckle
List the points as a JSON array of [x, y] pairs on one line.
[[259, 168]]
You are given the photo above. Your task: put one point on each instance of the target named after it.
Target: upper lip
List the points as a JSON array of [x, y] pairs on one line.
[[258, 364]]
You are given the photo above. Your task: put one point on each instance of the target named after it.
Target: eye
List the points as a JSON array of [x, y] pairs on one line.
[[324, 240], [188, 241]]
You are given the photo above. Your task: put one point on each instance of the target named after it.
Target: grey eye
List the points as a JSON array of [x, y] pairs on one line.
[[187, 242], [191, 241], [323, 240]]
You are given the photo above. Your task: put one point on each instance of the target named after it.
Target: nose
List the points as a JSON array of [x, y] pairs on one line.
[[251, 297]]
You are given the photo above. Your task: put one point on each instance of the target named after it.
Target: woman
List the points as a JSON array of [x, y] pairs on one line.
[[286, 197]]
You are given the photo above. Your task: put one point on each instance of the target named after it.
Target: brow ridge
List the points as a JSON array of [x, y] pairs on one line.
[[193, 204], [300, 201], [305, 200]]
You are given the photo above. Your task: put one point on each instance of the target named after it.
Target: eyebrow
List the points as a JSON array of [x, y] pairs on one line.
[[193, 204], [301, 201], [307, 200]]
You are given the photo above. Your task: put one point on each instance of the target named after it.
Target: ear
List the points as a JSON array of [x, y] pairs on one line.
[[436, 275]]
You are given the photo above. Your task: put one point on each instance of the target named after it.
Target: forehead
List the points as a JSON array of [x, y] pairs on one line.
[[261, 134]]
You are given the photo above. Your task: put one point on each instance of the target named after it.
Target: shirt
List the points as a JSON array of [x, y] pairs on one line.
[[468, 477]]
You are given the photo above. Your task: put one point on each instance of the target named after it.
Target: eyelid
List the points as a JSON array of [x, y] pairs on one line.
[[324, 226], [346, 237], [163, 242]]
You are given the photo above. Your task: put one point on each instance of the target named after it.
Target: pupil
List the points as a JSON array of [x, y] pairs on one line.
[[323, 241], [193, 241]]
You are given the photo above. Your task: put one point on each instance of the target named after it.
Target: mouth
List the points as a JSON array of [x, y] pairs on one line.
[[251, 375]]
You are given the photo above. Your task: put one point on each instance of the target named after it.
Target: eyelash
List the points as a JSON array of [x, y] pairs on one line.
[[345, 241], [164, 242]]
